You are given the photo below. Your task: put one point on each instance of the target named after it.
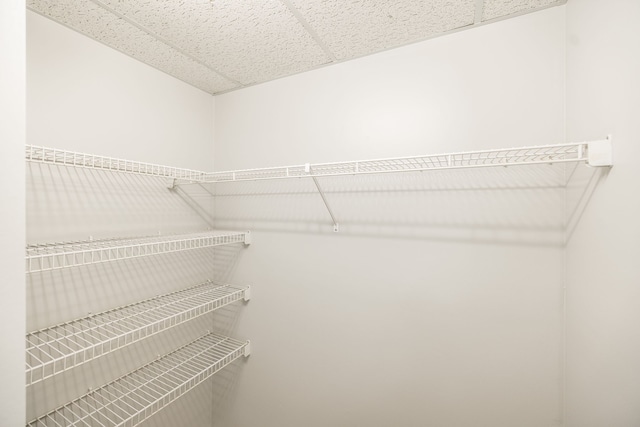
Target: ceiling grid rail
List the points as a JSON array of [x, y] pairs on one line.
[[479, 12], [310, 30], [164, 40]]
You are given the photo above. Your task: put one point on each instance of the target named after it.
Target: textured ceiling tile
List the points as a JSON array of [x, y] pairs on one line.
[[352, 28], [220, 45], [96, 22], [498, 8], [248, 41]]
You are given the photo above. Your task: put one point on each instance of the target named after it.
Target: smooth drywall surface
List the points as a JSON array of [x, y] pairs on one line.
[[86, 97], [439, 301], [603, 273], [12, 137]]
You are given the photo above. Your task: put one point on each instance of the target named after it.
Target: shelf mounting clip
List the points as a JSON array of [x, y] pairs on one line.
[[600, 153]]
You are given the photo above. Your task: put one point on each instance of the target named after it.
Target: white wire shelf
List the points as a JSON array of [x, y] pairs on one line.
[[589, 152], [133, 398], [594, 153], [91, 161], [52, 256], [59, 348]]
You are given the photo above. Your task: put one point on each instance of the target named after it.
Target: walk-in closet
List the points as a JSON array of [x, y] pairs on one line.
[[288, 213]]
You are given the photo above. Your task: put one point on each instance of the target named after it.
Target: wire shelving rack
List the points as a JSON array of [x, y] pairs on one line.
[[588, 152], [52, 256], [92, 161], [59, 348], [133, 398]]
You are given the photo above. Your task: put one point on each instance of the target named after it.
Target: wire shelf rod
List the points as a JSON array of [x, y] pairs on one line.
[[62, 347], [133, 398], [44, 257]]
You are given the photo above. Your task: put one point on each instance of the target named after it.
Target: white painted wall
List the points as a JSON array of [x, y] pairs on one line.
[[87, 97], [12, 139], [439, 302], [359, 327], [83, 95], [603, 273]]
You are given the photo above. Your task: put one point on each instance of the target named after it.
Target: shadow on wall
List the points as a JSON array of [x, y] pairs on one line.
[[225, 386], [74, 204], [522, 205], [193, 200], [225, 261], [581, 184], [66, 203], [70, 204]]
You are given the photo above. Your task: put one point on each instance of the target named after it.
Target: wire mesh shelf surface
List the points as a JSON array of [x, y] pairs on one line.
[[62, 347], [559, 153], [133, 398], [91, 161], [51, 256], [574, 152]]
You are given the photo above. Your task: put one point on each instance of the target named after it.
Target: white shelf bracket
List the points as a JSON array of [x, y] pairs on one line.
[[336, 226], [247, 349], [247, 238], [600, 153], [246, 296]]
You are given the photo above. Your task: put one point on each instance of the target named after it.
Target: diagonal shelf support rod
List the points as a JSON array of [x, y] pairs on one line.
[[336, 226]]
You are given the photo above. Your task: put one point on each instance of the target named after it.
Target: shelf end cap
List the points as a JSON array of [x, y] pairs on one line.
[[600, 153]]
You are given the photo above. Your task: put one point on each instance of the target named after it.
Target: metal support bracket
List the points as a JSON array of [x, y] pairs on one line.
[[600, 153], [336, 226]]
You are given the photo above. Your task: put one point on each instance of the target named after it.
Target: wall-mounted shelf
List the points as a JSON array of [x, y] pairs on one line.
[[91, 161], [56, 349], [133, 398], [594, 153], [51, 256]]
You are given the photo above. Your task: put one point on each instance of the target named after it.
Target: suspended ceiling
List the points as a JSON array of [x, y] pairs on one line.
[[223, 45]]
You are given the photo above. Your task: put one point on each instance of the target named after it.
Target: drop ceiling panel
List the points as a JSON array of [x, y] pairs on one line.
[[499, 8], [96, 22], [248, 41], [352, 28], [222, 45]]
